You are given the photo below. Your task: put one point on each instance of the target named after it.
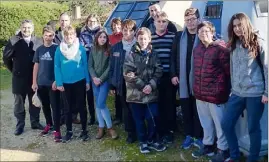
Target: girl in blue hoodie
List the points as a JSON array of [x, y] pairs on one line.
[[72, 79]]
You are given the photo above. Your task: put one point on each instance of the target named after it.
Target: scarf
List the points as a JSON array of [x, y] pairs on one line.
[[70, 51], [127, 46], [183, 43]]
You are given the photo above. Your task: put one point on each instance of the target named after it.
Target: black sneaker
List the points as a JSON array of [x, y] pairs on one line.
[[38, 126], [221, 156], [157, 146], [207, 150], [18, 131], [131, 138], [68, 136], [84, 136], [144, 149], [168, 139]]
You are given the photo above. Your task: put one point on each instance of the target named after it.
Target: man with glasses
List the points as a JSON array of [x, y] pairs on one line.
[[162, 41], [154, 8], [182, 74], [17, 56]]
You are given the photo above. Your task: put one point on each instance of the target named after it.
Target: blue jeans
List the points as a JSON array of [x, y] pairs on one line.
[[142, 112], [234, 108], [102, 111]]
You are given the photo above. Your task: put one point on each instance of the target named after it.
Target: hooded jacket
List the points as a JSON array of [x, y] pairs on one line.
[[212, 72], [86, 37], [147, 69]]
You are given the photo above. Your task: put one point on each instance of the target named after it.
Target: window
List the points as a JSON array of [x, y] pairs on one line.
[[138, 14], [213, 11], [124, 7], [261, 8]]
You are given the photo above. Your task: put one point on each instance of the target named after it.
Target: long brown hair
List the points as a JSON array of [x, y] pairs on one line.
[[106, 47], [250, 37]]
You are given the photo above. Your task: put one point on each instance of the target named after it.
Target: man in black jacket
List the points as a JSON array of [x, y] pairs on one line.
[[18, 56], [154, 8], [64, 21]]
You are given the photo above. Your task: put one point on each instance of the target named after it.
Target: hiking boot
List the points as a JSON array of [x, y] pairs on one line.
[[187, 143], [157, 146], [144, 149], [100, 133], [57, 136], [112, 133], [68, 136], [84, 136], [221, 156], [131, 138], [198, 143], [45, 130], [205, 150]]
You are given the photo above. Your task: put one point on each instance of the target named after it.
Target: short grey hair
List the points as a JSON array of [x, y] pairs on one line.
[[27, 21], [64, 14]]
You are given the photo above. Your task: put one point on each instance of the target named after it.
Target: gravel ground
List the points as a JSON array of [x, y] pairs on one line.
[[31, 147]]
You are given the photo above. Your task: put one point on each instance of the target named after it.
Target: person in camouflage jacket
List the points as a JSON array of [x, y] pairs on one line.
[[141, 68]]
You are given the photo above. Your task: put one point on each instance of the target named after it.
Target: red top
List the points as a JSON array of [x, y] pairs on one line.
[[115, 38]]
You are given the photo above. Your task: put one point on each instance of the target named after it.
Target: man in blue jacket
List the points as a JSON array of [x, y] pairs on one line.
[[118, 54]]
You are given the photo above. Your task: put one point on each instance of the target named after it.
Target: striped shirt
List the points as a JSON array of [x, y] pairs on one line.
[[162, 45]]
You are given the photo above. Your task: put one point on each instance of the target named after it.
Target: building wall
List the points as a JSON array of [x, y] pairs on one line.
[[175, 11]]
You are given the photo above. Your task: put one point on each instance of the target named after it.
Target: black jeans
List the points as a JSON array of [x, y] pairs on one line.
[[50, 100], [191, 122], [19, 110], [118, 107], [74, 97], [90, 101], [167, 106]]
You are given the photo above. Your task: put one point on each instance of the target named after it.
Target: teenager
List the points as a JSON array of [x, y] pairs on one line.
[[249, 79], [142, 70], [72, 79], [118, 54], [211, 89], [182, 75], [18, 57], [99, 65], [88, 32], [114, 38], [44, 83], [162, 41]]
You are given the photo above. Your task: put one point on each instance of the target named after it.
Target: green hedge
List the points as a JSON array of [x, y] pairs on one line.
[[12, 13]]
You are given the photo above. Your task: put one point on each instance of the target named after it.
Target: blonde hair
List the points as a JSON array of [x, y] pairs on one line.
[[162, 14], [69, 29], [143, 31]]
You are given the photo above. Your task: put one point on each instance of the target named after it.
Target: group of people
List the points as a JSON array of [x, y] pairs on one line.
[[144, 68]]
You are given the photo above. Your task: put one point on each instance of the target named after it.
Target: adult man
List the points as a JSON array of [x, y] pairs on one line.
[[118, 54], [64, 21], [162, 41], [17, 56], [154, 8], [183, 45]]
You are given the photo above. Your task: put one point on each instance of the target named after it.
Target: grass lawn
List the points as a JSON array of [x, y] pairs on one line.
[[5, 79]]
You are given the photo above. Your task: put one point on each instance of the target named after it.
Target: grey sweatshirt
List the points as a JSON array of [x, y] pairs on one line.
[[246, 74]]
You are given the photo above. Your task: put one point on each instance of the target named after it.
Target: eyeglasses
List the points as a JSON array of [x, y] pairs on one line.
[[204, 31], [190, 20]]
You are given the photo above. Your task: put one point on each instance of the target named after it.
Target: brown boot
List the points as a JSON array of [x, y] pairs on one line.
[[100, 133], [112, 133]]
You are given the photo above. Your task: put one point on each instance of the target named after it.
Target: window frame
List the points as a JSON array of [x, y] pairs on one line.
[[258, 9], [213, 4]]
